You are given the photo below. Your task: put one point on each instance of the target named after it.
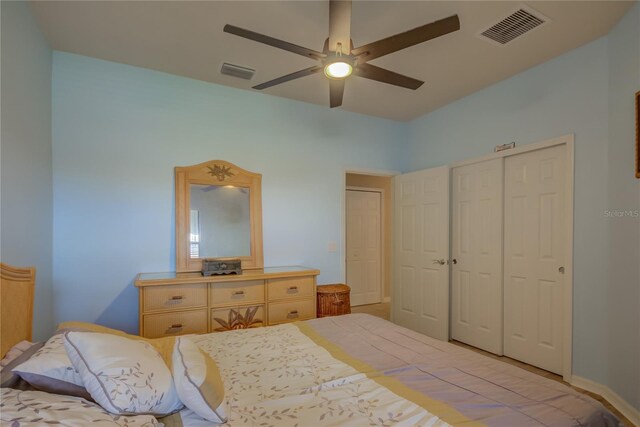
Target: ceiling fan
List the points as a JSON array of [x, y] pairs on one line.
[[339, 58]]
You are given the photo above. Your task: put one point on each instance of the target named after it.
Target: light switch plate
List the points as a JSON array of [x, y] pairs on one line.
[[332, 246]]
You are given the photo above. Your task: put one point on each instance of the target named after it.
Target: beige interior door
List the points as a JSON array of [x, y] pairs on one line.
[[534, 262], [476, 252], [364, 240], [421, 247]]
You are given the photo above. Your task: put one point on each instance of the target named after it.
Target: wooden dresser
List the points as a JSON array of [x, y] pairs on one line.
[[188, 303]]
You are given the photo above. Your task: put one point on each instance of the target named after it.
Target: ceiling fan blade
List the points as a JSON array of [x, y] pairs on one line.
[[280, 44], [372, 72], [340, 25], [289, 77], [336, 90], [407, 39]]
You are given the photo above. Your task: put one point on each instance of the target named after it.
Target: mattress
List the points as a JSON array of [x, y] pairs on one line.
[[460, 386], [358, 370], [353, 370]]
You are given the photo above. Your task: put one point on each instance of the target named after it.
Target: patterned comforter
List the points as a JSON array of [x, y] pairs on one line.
[[353, 370]]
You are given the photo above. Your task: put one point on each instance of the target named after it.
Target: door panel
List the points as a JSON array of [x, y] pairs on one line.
[[534, 248], [421, 287], [477, 249], [364, 246]]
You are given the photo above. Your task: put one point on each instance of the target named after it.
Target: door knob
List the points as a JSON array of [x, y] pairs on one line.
[[439, 261]]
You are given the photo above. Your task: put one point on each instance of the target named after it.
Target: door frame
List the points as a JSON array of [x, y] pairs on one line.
[[383, 252], [372, 172], [568, 142]]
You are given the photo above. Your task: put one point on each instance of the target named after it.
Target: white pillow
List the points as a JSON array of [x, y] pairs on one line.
[[123, 375], [198, 381]]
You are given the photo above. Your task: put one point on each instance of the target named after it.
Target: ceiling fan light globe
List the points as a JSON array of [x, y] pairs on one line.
[[338, 70]]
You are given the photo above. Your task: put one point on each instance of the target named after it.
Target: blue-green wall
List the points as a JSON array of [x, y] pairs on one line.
[[118, 133], [25, 189], [566, 95], [588, 92], [623, 284]]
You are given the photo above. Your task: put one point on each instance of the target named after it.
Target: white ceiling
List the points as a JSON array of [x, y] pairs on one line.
[[186, 38]]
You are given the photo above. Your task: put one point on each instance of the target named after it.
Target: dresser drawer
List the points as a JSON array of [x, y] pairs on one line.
[[236, 293], [230, 318], [174, 297], [290, 288], [291, 311], [176, 323]]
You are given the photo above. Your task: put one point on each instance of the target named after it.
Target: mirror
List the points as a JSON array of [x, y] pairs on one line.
[[219, 221], [218, 215]]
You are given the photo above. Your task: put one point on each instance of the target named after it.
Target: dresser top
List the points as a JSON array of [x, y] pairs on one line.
[[172, 278]]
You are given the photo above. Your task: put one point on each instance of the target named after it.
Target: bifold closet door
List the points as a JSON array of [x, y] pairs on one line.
[[535, 226], [476, 251], [421, 246]]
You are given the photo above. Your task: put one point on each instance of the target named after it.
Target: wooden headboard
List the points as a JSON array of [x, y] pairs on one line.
[[16, 305]]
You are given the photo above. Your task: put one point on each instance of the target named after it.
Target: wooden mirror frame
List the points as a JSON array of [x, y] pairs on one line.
[[216, 172]]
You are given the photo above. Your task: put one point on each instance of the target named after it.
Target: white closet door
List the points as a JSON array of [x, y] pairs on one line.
[[421, 274], [477, 250], [364, 268], [534, 257]]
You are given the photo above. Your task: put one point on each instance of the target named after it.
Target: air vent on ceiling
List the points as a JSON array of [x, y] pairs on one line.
[[521, 21], [237, 71]]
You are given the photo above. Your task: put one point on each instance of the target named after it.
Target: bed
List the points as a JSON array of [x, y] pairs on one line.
[[350, 370]]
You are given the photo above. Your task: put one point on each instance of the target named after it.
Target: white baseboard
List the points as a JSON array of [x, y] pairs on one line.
[[386, 299], [612, 397]]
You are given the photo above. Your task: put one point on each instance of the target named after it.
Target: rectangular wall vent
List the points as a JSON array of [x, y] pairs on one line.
[[518, 23], [237, 71]]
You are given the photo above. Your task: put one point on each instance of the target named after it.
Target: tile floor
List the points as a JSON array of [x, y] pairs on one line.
[[383, 310]]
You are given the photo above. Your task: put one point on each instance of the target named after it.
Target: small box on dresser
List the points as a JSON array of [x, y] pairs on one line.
[[185, 303]]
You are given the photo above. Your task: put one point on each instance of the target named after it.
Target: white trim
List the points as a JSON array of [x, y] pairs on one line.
[[568, 141], [383, 252], [567, 349], [611, 396], [361, 171], [517, 150], [365, 189], [371, 172]]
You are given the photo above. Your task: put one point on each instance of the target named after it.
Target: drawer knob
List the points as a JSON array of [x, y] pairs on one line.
[[238, 293], [176, 326], [293, 313], [176, 298], [293, 289]]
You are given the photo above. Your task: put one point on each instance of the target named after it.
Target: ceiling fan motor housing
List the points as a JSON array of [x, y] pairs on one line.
[[352, 60]]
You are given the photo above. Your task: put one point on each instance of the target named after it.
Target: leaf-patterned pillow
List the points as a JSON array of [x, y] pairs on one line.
[[123, 375], [198, 381]]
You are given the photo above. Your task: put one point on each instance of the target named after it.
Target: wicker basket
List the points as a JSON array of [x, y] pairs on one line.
[[333, 300]]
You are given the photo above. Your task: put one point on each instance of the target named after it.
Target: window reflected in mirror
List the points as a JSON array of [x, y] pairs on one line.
[[219, 221]]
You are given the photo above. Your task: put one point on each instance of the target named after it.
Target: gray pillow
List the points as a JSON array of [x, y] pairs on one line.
[[50, 370], [8, 378]]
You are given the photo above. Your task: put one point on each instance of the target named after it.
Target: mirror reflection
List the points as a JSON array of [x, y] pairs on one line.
[[219, 221]]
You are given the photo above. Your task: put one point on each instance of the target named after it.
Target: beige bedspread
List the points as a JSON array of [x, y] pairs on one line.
[[354, 370], [357, 370], [279, 376]]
